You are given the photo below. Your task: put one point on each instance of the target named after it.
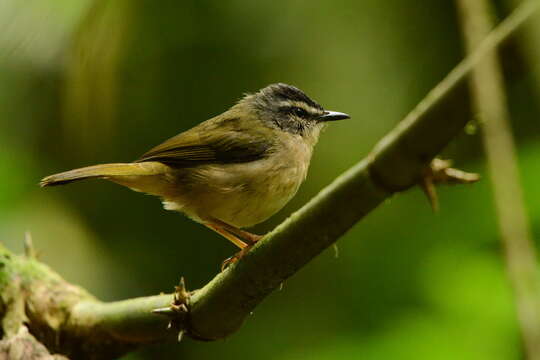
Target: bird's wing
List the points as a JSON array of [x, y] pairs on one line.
[[216, 141]]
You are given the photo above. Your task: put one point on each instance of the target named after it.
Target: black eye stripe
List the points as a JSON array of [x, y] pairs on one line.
[[295, 110], [298, 111]]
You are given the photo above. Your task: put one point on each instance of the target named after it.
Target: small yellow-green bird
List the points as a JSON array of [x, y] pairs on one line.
[[232, 171]]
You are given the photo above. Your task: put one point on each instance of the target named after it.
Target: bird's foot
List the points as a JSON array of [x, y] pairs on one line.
[[237, 236], [236, 257]]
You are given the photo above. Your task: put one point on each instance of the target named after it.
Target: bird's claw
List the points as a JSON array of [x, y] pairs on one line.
[[233, 259]]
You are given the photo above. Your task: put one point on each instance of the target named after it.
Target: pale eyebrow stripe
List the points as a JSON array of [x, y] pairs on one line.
[[290, 103]]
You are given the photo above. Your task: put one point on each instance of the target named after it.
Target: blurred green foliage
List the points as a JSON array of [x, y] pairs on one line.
[[85, 82]]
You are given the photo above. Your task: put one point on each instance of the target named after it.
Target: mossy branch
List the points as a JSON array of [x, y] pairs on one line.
[[70, 321]]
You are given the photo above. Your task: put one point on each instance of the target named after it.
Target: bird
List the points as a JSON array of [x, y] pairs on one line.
[[232, 171]]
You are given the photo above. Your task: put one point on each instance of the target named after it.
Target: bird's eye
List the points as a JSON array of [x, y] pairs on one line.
[[298, 111]]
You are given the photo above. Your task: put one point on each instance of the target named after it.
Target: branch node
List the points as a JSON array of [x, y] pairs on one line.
[[440, 172], [177, 310]]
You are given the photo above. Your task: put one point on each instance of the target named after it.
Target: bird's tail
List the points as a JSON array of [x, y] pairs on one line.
[[99, 171]]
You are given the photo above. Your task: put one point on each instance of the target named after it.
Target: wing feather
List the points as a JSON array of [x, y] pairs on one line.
[[216, 141]]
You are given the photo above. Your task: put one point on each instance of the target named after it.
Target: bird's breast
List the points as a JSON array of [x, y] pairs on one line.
[[246, 194]]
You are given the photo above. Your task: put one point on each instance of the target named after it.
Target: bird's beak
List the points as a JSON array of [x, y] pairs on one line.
[[333, 116]]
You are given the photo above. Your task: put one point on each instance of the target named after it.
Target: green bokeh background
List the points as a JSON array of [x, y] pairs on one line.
[[93, 81]]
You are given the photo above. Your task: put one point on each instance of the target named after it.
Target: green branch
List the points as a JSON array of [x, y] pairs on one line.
[[87, 328], [396, 163]]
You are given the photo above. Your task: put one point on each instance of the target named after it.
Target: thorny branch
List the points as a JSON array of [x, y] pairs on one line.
[[68, 320]]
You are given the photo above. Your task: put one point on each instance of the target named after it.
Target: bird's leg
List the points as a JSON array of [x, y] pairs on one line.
[[250, 238], [233, 234], [221, 231], [236, 241]]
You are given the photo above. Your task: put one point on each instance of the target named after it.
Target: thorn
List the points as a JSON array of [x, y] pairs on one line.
[[336, 250], [456, 176], [180, 335], [430, 190], [181, 295], [167, 311], [29, 249], [181, 285], [443, 173]]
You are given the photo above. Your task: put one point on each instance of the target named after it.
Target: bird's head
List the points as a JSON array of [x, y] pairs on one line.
[[289, 109]]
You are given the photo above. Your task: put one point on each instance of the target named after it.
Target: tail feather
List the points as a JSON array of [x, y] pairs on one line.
[[96, 171]]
